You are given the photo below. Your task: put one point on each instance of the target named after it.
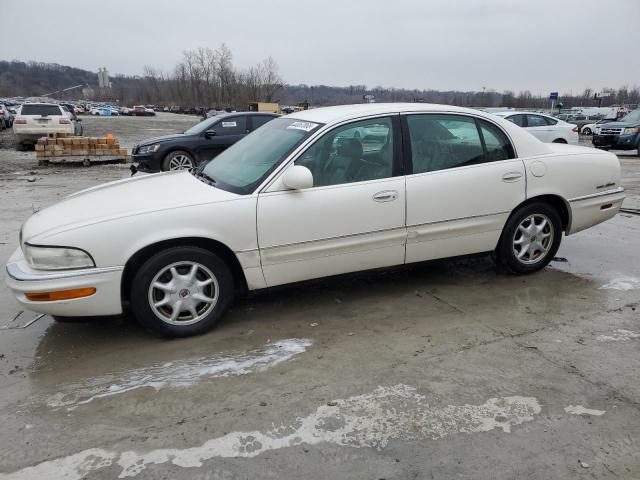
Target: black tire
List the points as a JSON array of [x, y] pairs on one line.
[[20, 147], [586, 131], [166, 162], [141, 293], [559, 140], [507, 246]]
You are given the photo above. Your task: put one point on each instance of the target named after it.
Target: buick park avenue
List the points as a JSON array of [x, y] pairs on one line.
[[313, 194]]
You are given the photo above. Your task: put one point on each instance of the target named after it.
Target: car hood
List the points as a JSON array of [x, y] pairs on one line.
[[123, 198], [617, 125], [163, 138]]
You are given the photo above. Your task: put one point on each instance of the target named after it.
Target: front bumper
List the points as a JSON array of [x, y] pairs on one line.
[[106, 280], [616, 142], [148, 162]]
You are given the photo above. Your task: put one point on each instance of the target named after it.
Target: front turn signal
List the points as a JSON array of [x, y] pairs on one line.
[[60, 295]]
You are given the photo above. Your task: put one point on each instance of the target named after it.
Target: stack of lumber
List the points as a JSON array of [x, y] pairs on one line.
[[62, 145]]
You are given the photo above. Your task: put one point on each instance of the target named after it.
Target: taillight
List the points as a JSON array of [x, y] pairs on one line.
[[64, 121], [20, 121], [575, 129]]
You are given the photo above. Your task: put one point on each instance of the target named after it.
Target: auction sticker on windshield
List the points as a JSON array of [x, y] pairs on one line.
[[304, 126], [229, 124]]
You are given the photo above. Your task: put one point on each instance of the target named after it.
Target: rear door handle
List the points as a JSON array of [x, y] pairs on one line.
[[511, 177], [386, 196]]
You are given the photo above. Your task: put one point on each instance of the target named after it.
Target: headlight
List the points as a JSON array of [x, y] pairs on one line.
[[57, 258], [149, 148], [631, 131]]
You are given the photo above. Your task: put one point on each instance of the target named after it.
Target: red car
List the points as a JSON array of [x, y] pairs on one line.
[[140, 111]]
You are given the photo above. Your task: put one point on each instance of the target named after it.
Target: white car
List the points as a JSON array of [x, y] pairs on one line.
[[545, 128], [300, 198], [594, 128], [35, 120]]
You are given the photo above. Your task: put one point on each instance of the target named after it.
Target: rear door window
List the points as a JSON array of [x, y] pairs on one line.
[[517, 119], [497, 145], [550, 121], [536, 121], [439, 142], [40, 110]]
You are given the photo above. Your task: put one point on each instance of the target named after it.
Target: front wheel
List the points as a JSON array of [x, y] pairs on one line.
[[178, 160], [530, 239], [181, 291]]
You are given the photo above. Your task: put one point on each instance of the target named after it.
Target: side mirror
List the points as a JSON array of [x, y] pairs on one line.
[[298, 177], [210, 133]]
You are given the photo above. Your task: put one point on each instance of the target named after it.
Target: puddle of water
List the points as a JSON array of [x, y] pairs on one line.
[[622, 283], [178, 374], [620, 335], [580, 410], [371, 420]]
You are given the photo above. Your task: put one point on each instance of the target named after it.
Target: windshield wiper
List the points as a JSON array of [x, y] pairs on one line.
[[199, 174]]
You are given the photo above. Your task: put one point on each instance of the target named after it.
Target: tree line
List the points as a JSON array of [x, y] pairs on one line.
[[207, 77]]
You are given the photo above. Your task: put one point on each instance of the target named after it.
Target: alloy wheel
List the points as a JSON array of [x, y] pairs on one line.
[[181, 162], [533, 239], [183, 293]]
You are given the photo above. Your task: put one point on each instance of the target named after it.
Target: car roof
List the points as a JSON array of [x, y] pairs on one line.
[[346, 112], [517, 112]]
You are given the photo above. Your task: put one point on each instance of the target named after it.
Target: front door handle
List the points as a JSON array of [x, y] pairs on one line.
[[386, 196], [511, 177]]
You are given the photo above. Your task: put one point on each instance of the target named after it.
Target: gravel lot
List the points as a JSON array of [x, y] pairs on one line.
[[448, 369]]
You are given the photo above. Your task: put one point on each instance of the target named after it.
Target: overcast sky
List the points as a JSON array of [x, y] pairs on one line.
[[540, 45]]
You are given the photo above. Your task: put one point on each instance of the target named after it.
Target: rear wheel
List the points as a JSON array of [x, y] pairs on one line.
[[178, 160], [530, 238], [181, 291], [559, 140], [586, 131]]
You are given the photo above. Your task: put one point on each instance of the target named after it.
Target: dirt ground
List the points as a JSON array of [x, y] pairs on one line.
[[448, 369]]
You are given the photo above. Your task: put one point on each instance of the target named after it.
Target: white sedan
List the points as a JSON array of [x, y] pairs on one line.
[[545, 128], [301, 198]]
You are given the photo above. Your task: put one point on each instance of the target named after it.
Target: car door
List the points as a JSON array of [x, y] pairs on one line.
[[465, 181], [221, 135], [539, 128], [351, 219]]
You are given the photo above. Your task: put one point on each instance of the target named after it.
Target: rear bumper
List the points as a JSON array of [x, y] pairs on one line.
[[22, 279], [590, 210]]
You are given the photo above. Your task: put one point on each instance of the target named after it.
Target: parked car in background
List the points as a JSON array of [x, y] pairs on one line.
[[591, 128], [201, 143], [291, 203], [140, 111], [35, 120], [545, 128], [77, 123], [7, 116], [621, 135]]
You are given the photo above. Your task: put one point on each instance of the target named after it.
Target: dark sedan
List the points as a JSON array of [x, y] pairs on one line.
[[201, 143]]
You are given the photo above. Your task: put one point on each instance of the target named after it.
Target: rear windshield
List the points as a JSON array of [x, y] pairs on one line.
[[40, 110]]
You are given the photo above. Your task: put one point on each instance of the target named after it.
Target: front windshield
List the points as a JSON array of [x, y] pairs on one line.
[[201, 127], [633, 116], [242, 167]]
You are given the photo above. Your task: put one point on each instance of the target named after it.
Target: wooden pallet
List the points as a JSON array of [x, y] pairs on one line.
[[85, 160]]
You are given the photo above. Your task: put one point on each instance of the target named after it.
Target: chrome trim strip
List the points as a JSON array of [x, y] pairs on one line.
[[14, 271], [598, 194]]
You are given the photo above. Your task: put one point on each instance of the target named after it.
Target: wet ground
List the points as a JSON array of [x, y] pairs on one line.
[[445, 370]]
